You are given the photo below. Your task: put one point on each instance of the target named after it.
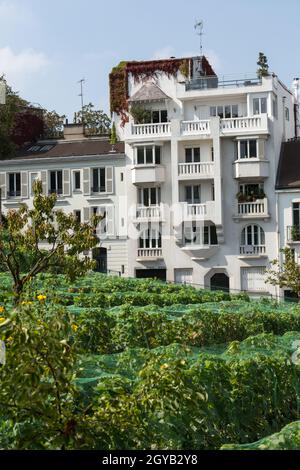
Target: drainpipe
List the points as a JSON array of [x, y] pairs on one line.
[[278, 238]]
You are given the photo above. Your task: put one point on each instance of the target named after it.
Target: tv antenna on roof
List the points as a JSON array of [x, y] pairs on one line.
[[82, 81], [199, 26]]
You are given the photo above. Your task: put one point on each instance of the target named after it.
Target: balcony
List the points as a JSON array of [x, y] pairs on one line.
[[148, 174], [200, 252], [149, 254], [293, 234], [251, 168], [148, 214], [150, 130], [252, 251], [198, 128], [252, 210], [200, 170], [196, 212], [244, 125]]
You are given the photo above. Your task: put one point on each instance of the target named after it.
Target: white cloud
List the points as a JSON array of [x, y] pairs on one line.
[[20, 66]]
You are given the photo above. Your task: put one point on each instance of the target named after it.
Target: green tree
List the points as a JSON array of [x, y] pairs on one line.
[[262, 63], [54, 124], [95, 121], [286, 275], [24, 230]]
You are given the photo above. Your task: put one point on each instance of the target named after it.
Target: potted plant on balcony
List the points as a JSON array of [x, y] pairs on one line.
[[295, 233], [140, 115]]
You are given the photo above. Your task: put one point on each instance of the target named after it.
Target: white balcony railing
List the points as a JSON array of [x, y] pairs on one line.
[[150, 253], [256, 208], [252, 250], [244, 124], [205, 211], [200, 169], [152, 130], [199, 210], [149, 212], [195, 127]]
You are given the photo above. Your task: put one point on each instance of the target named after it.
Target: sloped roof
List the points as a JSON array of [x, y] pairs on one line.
[[288, 173], [149, 92], [55, 149]]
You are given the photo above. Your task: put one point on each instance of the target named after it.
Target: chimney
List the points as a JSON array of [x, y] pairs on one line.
[[74, 131]]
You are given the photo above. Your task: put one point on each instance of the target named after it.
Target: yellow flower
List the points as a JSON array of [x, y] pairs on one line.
[[2, 320], [41, 297], [26, 302], [2, 309], [74, 327]]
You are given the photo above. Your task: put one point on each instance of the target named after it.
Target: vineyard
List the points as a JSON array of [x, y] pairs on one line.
[[158, 366]]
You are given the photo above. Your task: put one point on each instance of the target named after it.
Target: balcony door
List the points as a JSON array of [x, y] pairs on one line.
[[149, 196]]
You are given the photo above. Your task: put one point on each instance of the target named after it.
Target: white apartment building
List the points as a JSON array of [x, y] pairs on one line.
[[87, 175], [201, 171]]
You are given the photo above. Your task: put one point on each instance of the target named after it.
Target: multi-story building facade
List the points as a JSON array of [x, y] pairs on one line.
[[201, 162], [88, 176]]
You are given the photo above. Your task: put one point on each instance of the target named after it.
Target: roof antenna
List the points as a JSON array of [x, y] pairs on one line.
[[199, 26], [82, 81]]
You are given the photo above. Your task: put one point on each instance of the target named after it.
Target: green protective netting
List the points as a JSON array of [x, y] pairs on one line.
[[286, 439]]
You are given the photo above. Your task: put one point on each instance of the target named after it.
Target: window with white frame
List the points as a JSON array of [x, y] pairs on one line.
[[247, 148], [77, 180], [196, 233], [148, 155], [14, 184], [150, 238], [225, 111], [99, 180], [193, 194], [56, 182], [252, 235], [149, 196], [275, 106], [159, 116], [259, 105], [192, 154]]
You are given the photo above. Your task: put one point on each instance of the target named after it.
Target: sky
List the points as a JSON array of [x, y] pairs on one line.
[[47, 46]]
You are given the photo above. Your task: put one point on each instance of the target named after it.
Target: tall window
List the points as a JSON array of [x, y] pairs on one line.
[[56, 185], [14, 184], [192, 155], [150, 238], [259, 105], [247, 149], [252, 235], [149, 196], [197, 234], [99, 180], [148, 155], [193, 194], [225, 111], [77, 182], [159, 116], [296, 214]]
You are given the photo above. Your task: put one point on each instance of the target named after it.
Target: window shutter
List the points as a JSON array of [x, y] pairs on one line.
[[67, 182], [3, 186], [261, 148], [86, 215], [86, 181], [24, 184], [110, 221], [44, 178], [109, 179]]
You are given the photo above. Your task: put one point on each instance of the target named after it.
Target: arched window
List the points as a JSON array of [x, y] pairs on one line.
[[252, 240], [150, 238]]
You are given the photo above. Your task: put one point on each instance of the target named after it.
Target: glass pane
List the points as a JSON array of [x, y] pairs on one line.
[[262, 237], [157, 155], [188, 194], [249, 235], [153, 196], [146, 197], [140, 155], [155, 116], [263, 104], [149, 155], [227, 112], [243, 237], [18, 182], [197, 154], [244, 149], [213, 235], [77, 180], [52, 181], [196, 194], [59, 182], [164, 115], [188, 155], [11, 182], [235, 111], [256, 106], [253, 148], [213, 111], [102, 180], [296, 213], [221, 112], [206, 235]]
